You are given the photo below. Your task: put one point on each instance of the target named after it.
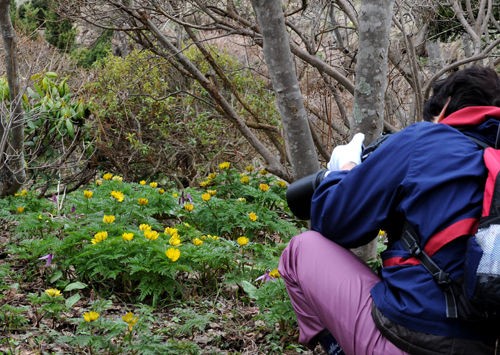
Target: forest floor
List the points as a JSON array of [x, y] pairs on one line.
[[231, 326]]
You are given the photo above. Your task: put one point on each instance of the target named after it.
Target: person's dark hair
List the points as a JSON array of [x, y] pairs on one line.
[[474, 86]]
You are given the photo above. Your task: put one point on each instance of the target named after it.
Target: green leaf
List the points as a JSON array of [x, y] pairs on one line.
[[75, 286], [250, 289], [69, 127], [56, 276], [70, 302]]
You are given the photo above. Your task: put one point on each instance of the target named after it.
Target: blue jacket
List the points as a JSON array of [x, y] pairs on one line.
[[432, 176]]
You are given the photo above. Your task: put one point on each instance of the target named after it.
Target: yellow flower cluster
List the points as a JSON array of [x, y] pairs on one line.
[[142, 182], [90, 316], [264, 187], [197, 241], [151, 234], [107, 176], [244, 179], [108, 219], [118, 195], [173, 254], [117, 178], [281, 184], [99, 237], [274, 273], [53, 292], [130, 319], [87, 194], [224, 165], [142, 201], [127, 236], [144, 227], [188, 207], [21, 193], [206, 197], [253, 216], [242, 241], [153, 184]]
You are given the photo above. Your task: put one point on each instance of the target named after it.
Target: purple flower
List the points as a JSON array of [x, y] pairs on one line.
[[73, 209], [47, 258], [183, 199], [266, 277]]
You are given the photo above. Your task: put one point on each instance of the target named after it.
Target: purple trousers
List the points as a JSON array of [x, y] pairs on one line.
[[330, 288]]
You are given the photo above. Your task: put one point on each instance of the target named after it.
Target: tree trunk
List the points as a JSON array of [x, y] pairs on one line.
[[277, 54], [12, 170], [371, 80]]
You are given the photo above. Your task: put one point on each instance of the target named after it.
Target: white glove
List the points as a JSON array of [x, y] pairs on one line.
[[350, 152]]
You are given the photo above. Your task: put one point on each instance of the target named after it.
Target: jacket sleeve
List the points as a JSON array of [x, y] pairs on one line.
[[349, 207]]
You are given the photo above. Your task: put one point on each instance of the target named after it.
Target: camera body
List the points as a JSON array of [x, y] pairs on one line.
[[300, 192]]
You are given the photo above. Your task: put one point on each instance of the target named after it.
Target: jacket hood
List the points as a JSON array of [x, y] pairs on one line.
[[480, 122]]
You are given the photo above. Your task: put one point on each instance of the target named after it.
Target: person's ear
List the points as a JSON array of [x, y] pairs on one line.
[[440, 117]]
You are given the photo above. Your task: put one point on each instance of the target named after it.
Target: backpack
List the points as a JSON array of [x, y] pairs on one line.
[[477, 296]]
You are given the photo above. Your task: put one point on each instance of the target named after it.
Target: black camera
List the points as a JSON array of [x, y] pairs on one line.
[[300, 192]]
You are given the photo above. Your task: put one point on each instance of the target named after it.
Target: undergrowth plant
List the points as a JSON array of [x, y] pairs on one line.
[[154, 244]]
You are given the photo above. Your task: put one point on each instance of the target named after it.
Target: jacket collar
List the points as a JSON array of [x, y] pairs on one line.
[[472, 116]]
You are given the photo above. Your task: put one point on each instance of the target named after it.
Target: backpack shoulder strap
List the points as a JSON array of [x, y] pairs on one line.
[[409, 240]]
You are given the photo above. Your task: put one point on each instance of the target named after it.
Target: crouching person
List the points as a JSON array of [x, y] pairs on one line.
[[426, 181]]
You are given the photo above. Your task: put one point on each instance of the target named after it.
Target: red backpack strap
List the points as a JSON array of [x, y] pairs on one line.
[[491, 158]]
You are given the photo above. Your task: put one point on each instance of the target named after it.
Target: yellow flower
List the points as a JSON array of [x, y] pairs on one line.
[[107, 176], [144, 227], [128, 236], [90, 316], [175, 195], [173, 254], [204, 183], [263, 172], [171, 231], [118, 195], [117, 178], [281, 184], [142, 201], [224, 165], [242, 199], [99, 237], [151, 234], [98, 182], [249, 168], [242, 241], [244, 179], [253, 216], [142, 182], [21, 193], [130, 319], [206, 196], [188, 207], [108, 219], [153, 184], [87, 194], [212, 192], [197, 241], [174, 241], [20, 209], [264, 187], [211, 176], [53, 292], [274, 273], [161, 191]]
